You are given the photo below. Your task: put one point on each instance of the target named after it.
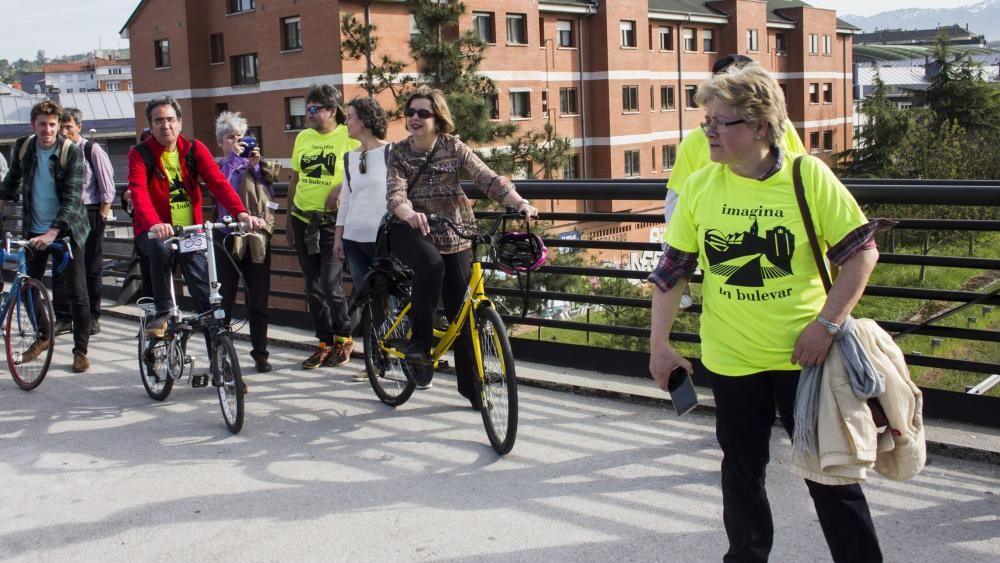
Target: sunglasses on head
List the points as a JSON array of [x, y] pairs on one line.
[[421, 113], [315, 109]]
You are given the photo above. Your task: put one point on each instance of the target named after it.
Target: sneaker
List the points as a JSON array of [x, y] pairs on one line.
[[341, 354], [37, 347], [63, 327], [361, 376], [430, 385], [417, 365], [80, 362], [156, 327], [95, 327], [317, 358]]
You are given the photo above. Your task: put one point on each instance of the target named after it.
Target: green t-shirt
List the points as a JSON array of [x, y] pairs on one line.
[[761, 287], [318, 159], [693, 154], [181, 212]]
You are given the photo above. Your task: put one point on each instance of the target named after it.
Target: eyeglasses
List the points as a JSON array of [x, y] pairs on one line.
[[717, 125], [161, 120], [362, 166], [313, 110], [421, 113]]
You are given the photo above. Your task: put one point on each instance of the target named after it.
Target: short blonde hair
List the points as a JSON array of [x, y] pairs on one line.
[[442, 115], [753, 92]]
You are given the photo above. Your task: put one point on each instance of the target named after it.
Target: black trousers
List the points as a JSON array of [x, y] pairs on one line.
[[745, 408], [257, 288], [76, 286], [436, 276], [322, 273], [93, 259]]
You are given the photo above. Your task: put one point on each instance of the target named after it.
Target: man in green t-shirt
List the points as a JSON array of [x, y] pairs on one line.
[[313, 195]]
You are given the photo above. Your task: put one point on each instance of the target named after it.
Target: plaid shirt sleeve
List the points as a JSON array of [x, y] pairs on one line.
[[861, 238], [674, 265]]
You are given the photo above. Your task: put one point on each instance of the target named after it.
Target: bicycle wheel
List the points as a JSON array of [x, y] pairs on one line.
[[29, 321], [155, 359], [226, 372], [388, 376], [498, 388]]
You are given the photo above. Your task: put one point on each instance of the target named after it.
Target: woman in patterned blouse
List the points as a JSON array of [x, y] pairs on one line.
[[423, 179]]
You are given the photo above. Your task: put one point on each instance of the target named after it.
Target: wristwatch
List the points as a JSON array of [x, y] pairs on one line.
[[830, 326]]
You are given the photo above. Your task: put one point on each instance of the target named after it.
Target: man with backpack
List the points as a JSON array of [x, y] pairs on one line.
[[46, 174], [98, 194], [163, 183]]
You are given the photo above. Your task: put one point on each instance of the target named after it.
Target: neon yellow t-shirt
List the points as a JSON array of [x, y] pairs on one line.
[[761, 287], [693, 154], [319, 161], [181, 212]]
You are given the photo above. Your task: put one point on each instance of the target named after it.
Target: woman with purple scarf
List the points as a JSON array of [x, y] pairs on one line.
[[251, 178]]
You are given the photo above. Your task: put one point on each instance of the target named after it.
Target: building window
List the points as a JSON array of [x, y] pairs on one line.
[[631, 164], [571, 167], [689, 92], [218, 48], [113, 71], [813, 43], [493, 102], [113, 86], [666, 35], [813, 93], [814, 141], [520, 105], [291, 33], [652, 98], [414, 30], [827, 45], [828, 140], [161, 48], [666, 98], [219, 108], [652, 158], [780, 43], [669, 156], [690, 39], [828, 92], [541, 31], [567, 101], [545, 103], [628, 33], [245, 69], [484, 26], [295, 113], [752, 45], [237, 6], [517, 29], [708, 40], [630, 98], [564, 33]]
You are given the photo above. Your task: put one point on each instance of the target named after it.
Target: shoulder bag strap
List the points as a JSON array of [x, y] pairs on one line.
[[423, 167], [800, 197]]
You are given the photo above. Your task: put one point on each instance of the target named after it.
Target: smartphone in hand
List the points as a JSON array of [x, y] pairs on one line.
[[682, 393]]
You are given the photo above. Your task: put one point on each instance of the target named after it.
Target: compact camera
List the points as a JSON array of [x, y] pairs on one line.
[[249, 144]]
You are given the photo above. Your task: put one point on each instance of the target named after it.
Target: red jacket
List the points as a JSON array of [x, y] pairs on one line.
[[152, 202]]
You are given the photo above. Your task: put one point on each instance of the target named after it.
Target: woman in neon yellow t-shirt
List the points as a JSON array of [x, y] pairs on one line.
[[765, 312]]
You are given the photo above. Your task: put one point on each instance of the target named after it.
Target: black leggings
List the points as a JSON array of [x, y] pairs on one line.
[[436, 275]]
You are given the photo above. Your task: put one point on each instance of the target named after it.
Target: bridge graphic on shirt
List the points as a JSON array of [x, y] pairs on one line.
[[746, 259], [312, 165]]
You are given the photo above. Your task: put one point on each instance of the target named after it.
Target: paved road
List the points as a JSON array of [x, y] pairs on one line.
[[93, 470]]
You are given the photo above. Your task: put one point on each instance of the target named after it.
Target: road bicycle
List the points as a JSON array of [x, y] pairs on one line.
[[164, 360], [27, 314], [387, 328]]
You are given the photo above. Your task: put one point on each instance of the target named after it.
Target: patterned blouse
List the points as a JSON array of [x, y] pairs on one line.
[[437, 190]]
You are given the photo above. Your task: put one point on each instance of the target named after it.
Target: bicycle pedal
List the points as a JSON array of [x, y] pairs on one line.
[[200, 380], [188, 359]]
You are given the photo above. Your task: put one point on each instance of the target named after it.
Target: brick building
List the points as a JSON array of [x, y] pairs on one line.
[[617, 78]]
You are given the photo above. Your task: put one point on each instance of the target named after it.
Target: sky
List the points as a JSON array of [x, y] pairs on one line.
[[84, 25]]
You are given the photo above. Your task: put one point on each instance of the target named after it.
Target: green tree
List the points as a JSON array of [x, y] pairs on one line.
[[885, 128], [360, 42], [959, 92]]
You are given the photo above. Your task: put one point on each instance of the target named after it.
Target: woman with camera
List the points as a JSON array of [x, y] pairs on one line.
[[251, 178]]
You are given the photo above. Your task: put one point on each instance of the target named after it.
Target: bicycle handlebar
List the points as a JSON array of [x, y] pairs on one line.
[[462, 230], [181, 231], [61, 245]]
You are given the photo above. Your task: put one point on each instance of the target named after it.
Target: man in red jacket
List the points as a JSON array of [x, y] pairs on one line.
[[168, 195]]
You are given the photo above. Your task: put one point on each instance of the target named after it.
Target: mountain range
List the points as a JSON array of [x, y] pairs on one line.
[[982, 18]]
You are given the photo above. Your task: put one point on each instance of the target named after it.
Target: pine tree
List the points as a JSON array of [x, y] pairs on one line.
[[959, 93], [360, 42], [885, 128]]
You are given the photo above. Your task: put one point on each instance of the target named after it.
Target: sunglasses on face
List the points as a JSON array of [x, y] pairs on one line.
[[421, 113], [313, 110]]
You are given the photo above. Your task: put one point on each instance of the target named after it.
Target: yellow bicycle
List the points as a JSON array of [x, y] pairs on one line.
[[387, 326]]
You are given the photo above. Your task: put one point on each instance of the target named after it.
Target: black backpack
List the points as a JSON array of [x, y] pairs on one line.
[[152, 166]]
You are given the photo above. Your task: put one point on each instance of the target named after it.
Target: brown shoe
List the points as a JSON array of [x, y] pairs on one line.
[[317, 358], [80, 362], [341, 354], [156, 327], [37, 347]]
